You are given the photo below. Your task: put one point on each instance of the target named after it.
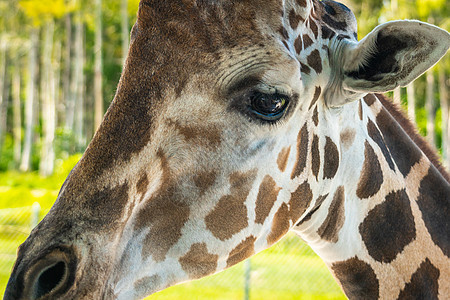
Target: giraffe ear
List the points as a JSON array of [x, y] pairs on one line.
[[392, 55]]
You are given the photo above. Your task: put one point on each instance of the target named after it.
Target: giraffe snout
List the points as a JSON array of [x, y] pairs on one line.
[[48, 277]]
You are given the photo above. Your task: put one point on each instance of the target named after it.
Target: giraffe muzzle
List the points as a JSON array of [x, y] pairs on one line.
[[49, 277]]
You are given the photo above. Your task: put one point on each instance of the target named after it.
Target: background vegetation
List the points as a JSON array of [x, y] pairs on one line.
[[60, 61]]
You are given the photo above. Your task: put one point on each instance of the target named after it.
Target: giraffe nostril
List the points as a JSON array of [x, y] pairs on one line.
[[50, 278]]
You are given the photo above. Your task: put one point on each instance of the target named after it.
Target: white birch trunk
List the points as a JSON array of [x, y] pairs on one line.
[[30, 101], [398, 96], [443, 94], [98, 94], [64, 100], [17, 111], [47, 103], [79, 100], [429, 106], [411, 102], [74, 64], [3, 88]]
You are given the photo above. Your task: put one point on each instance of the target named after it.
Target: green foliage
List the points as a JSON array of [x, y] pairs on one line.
[[23, 189], [7, 154], [39, 11]]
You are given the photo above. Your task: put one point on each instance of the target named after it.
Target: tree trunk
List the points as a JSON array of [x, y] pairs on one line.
[[3, 94], [64, 107], [98, 95], [17, 111], [125, 30], [398, 96], [74, 67], [47, 103], [429, 106], [443, 94], [411, 102], [30, 101], [79, 100]]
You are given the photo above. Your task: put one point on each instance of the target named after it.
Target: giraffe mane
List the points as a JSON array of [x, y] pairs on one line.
[[412, 132]]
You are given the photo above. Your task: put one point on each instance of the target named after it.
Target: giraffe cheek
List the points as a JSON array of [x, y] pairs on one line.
[[229, 215]]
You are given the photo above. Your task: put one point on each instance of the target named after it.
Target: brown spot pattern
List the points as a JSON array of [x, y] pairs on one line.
[[298, 45], [313, 27], [145, 284], [388, 227], [198, 262], [302, 152], [316, 96], [283, 157], [280, 225], [307, 41], [434, 202], [294, 19], [375, 134], [206, 136], [101, 208], [327, 33], [267, 195], [305, 69], [283, 32], [315, 156], [357, 278], [403, 151], [142, 184], [300, 201], [333, 23], [315, 61], [360, 112], [334, 221], [411, 131], [371, 177], [331, 159], [315, 116], [316, 206], [166, 215], [347, 137], [204, 180], [302, 3], [370, 99], [424, 283], [242, 251], [229, 216]]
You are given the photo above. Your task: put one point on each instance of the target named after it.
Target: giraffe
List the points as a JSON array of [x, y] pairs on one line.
[[233, 123]]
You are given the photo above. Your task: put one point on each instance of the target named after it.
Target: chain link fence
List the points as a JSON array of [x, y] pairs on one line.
[[287, 270]]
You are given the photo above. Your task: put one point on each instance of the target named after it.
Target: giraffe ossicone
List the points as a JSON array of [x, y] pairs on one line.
[[235, 122]]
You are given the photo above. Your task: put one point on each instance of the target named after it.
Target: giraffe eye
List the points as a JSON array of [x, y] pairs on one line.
[[270, 107]]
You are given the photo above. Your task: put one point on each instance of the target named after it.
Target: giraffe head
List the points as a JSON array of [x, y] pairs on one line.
[[200, 161]]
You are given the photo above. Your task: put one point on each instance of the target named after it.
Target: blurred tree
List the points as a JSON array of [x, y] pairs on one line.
[[3, 87], [25, 163], [86, 50], [98, 84], [17, 111], [125, 28]]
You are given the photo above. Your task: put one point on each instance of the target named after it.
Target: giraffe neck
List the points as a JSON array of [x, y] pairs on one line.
[[378, 223]]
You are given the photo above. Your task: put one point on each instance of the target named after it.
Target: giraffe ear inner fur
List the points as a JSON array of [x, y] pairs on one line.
[[392, 55]]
